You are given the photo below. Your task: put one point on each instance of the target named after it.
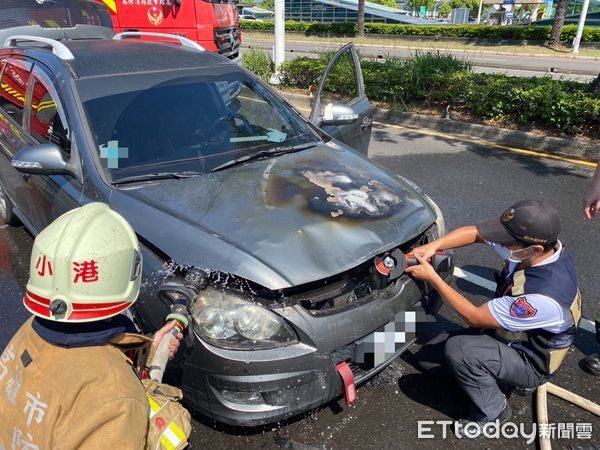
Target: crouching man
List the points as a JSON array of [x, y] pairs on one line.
[[522, 335]]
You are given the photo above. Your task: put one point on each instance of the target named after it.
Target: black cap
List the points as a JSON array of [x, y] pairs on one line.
[[528, 221]]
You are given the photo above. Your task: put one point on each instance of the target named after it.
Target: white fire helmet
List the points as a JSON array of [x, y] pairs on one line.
[[85, 266]]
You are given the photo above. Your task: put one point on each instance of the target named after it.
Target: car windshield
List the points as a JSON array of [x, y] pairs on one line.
[[190, 124]]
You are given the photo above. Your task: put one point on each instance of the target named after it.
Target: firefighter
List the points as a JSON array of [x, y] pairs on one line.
[[591, 204], [66, 379], [521, 336]]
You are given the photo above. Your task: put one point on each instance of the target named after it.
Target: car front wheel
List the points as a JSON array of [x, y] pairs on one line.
[[7, 210]]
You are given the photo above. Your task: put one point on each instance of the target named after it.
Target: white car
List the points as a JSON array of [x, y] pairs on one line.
[[249, 17]]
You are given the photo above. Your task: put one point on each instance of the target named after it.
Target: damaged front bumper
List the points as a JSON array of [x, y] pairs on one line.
[[250, 388]]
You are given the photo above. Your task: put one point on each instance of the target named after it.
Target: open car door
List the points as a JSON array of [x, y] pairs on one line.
[[341, 107]]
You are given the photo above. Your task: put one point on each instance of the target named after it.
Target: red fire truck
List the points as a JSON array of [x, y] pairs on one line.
[[214, 24]]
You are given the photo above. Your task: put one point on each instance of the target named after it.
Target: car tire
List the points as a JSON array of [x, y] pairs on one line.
[[7, 212]]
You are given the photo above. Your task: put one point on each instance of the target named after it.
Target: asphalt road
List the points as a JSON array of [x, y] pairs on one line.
[[469, 182], [503, 63]]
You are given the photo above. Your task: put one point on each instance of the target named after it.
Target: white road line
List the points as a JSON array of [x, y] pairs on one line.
[[586, 324], [475, 279]]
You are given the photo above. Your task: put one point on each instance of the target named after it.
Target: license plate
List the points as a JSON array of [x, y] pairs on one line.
[[381, 345]]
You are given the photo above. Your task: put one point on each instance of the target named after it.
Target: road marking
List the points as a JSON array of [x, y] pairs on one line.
[[475, 279], [521, 151], [586, 324], [484, 143]]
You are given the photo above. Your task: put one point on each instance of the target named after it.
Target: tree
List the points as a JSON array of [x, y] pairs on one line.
[[390, 3], [416, 4], [473, 5], [445, 10], [266, 4], [559, 21], [361, 17]]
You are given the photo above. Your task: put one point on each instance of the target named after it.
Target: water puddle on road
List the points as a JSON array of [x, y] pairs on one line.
[[324, 433]]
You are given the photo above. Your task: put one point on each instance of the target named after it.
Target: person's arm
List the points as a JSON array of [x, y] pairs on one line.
[[460, 237], [474, 316], [173, 342], [591, 199]]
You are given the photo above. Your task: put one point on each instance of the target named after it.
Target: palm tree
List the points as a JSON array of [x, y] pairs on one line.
[[559, 21], [361, 18]]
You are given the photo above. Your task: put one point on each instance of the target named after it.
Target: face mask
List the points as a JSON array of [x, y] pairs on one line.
[[516, 256], [503, 252]]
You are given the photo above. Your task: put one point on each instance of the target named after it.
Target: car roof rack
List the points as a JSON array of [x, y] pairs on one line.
[[58, 48], [185, 42]]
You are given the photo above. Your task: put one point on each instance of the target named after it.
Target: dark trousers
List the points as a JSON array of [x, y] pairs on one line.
[[478, 362]]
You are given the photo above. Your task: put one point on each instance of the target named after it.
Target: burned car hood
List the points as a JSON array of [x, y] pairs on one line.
[[279, 222]]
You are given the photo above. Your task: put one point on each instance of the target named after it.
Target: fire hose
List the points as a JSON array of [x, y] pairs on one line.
[[180, 294], [542, 408]]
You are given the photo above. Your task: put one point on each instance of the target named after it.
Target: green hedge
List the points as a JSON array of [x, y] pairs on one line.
[[562, 106], [569, 107], [590, 34], [258, 62]]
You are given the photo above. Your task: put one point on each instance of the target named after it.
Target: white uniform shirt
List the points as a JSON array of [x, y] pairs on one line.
[[531, 311]]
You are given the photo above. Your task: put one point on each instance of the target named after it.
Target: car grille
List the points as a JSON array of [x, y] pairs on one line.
[[352, 288], [228, 41]]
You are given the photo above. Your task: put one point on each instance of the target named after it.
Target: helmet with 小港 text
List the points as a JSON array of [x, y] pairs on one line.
[[85, 266]]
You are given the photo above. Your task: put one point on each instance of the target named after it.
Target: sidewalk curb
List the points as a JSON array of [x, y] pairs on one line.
[[587, 151]]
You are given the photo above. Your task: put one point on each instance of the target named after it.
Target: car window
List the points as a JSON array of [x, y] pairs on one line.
[[341, 84], [190, 124], [45, 124], [13, 86]]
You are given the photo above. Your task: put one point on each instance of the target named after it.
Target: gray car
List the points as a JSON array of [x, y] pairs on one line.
[[300, 239]]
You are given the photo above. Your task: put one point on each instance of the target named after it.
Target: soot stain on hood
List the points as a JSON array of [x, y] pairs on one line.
[[352, 198], [336, 193]]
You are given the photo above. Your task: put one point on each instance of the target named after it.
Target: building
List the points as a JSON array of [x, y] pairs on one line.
[[346, 11], [592, 19], [256, 11]]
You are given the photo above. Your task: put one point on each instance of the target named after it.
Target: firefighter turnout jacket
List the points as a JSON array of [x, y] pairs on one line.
[[72, 390]]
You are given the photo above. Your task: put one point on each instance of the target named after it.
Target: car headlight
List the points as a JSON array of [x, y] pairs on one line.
[[440, 222], [227, 320]]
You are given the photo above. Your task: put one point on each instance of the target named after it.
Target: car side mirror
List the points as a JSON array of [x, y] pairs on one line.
[[43, 159], [338, 114]]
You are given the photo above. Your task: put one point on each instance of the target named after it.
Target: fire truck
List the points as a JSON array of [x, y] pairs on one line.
[[214, 24]]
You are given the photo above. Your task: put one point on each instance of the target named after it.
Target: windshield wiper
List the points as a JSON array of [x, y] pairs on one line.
[[156, 176], [264, 154]]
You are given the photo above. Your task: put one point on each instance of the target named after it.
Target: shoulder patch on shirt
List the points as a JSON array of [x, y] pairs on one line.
[[521, 308]]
